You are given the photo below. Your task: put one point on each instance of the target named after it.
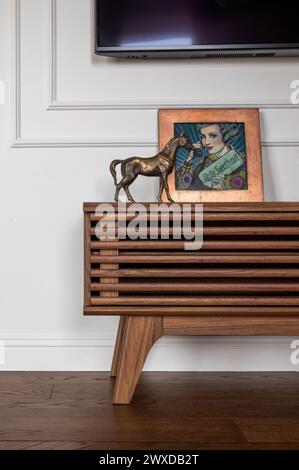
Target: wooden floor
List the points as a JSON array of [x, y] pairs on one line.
[[169, 411]]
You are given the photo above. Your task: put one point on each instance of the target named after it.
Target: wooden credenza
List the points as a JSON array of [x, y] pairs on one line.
[[243, 281]]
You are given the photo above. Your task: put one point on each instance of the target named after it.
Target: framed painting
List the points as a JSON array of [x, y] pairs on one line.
[[225, 164]]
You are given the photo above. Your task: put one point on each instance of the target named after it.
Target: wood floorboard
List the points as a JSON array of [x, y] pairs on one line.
[[233, 407], [52, 377], [206, 377], [270, 430], [13, 392], [169, 446], [114, 429], [31, 445], [170, 411]]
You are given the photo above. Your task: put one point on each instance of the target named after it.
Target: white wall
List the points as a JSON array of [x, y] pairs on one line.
[[67, 114]]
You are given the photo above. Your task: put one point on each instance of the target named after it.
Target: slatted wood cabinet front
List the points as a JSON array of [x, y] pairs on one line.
[[248, 265], [243, 281]]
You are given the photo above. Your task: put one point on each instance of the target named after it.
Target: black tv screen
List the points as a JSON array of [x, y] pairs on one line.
[[197, 25]]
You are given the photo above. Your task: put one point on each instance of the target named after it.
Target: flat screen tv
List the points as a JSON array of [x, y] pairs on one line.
[[197, 28]]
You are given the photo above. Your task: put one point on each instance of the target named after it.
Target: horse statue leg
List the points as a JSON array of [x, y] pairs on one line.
[[165, 184], [119, 186], [124, 184], [161, 187], [126, 188]]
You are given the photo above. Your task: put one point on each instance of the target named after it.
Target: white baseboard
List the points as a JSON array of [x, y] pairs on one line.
[[89, 353]]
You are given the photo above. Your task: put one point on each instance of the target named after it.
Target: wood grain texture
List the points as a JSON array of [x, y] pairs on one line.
[[207, 245], [197, 287], [243, 281], [139, 336], [11, 392], [230, 410], [197, 273], [270, 430], [118, 346], [67, 428], [217, 216], [87, 255], [250, 256], [220, 206], [212, 230], [109, 279], [210, 301], [139, 257], [195, 311], [234, 325]]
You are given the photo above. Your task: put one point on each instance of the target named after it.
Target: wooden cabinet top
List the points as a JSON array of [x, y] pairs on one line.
[[219, 207]]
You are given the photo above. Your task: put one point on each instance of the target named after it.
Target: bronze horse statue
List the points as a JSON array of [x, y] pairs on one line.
[[161, 165]]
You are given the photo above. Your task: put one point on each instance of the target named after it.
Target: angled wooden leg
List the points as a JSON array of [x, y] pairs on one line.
[[139, 336], [118, 346]]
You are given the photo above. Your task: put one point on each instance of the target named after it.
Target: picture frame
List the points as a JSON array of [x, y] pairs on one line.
[[226, 164]]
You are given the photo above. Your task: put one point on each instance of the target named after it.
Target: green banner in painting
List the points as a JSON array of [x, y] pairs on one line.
[[221, 168]]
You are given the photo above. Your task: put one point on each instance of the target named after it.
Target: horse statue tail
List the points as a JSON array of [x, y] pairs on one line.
[[112, 169]]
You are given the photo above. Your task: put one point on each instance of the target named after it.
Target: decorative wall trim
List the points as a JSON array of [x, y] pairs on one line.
[[90, 353], [261, 343], [61, 341], [2, 92], [53, 51], [154, 105], [43, 143], [17, 99], [149, 104], [54, 105]]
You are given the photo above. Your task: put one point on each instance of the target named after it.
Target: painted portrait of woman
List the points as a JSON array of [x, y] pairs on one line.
[[219, 162]]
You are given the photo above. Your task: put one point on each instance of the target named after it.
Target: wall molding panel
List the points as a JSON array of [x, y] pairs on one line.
[[88, 352], [59, 143], [118, 104], [53, 104]]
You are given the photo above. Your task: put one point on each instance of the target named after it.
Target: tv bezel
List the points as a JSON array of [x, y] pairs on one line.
[[227, 51], [195, 51]]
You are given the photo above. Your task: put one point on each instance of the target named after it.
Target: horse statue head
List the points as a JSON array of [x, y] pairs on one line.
[[185, 142], [170, 149]]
